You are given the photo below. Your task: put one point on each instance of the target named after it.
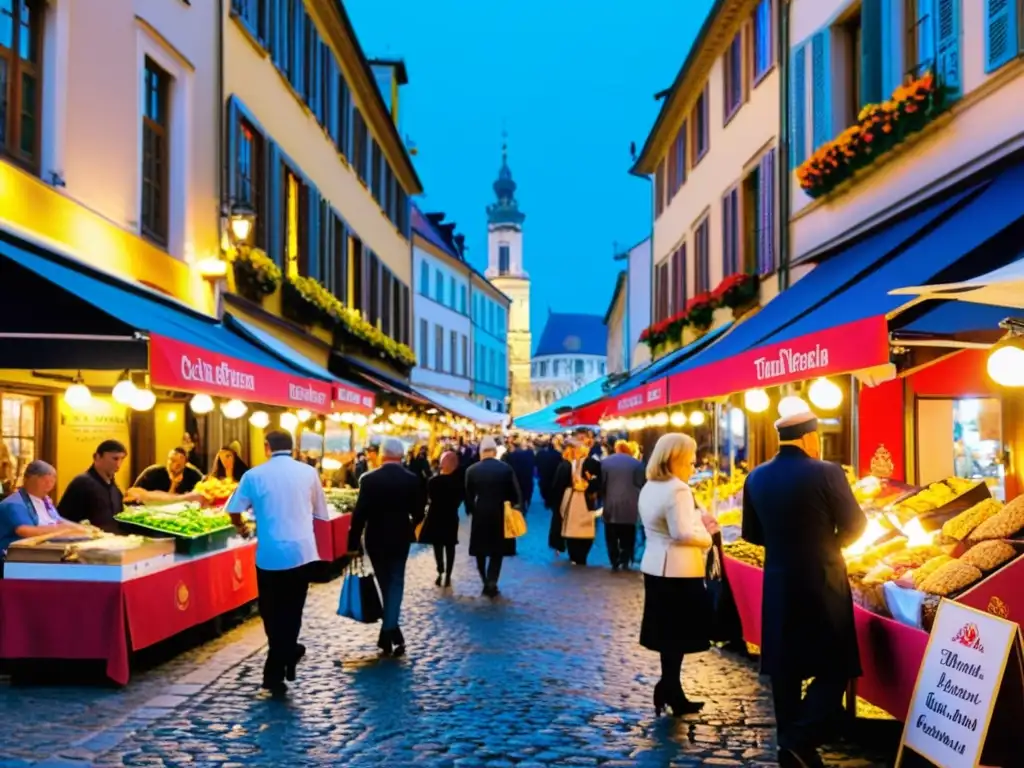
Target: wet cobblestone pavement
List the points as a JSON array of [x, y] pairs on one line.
[[550, 674]]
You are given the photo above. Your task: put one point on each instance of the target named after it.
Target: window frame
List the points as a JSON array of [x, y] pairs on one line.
[[14, 99], [732, 246], [733, 69], [156, 231], [760, 75], [700, 128], [701, 234], [302, 221], [256, 180]]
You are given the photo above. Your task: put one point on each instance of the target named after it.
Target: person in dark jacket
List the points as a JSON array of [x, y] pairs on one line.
[[445, 493], [390, 505], [419, 464], [548, 459], [175, 475], [591, 466], [801, 509], [622, 477], [489, 484], [523, 462]]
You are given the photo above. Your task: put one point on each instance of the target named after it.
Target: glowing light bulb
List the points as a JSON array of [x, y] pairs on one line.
[[792, 405], [678, 419], [825, 394], [201, 404], [259, 419], [77, 395], [233, 409], [124, 391], [756, 400], [288, 421], [697, 418], [143, 400], [1006, 365]]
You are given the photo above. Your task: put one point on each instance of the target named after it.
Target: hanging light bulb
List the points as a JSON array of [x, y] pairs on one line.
[[77, 395], [124, 390], [792, 405], [359, 420], [233, 409], [143, 399], [201, 404], [288, 421], [825, 394], [756, 400], [259, 419], [303, 415], [697, 418], [678, 419], [336, 417], [1006, 363], [318, 426], [661, 419]]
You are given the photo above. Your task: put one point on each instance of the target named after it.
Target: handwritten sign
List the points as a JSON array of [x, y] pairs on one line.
[[957, 686]]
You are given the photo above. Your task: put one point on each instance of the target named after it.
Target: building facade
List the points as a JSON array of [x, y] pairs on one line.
[[571, 353], [713, 158], [616, 322], [443, 329], [490, 315], [506, 270]]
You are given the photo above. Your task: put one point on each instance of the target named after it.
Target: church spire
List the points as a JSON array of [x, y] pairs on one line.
[[506, 210]]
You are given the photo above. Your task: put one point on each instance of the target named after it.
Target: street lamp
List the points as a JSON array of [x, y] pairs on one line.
[[241, 221]]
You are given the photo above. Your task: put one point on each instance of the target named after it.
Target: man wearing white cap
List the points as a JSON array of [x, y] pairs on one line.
[[801, 509]]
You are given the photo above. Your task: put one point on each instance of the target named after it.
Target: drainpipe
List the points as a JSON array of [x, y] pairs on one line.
[[219, 285], [782, 175]]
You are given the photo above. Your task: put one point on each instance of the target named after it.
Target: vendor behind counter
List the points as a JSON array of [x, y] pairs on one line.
[[94, 495], [175, 475]]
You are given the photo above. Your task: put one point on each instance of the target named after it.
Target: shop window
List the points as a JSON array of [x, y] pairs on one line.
[[155, 151], [19, 429], [21, 36], [295, 222], [249, 176], [962, 438]]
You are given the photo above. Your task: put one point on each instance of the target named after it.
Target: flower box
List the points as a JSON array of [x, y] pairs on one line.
[[256, 275], [700, 311], [737, 291]]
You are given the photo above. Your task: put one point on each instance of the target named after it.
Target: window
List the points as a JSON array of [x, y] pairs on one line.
[[455, 353], [677, 163], [252, 14], [601, 367], [730, 233], [360, 152], [424, 344], [702, 257], [476, 363], [451, 292], [759, 225], [342, 106], [543, 368], [579, 367], [464, 370], [661, 287], [355, 271], [20, 88], [504, 261], [249, 176], [386, 293], [425, 278], [764, 40], [296, 216], [678, 261], [438, 348], [733, 76], [404, 305], [401, 320], [20, 418], [849, 36], [155, 200], [462, 299], [374, 302], [699, 121], [439, 288], [310, 47], [659, 189], [376, 169]]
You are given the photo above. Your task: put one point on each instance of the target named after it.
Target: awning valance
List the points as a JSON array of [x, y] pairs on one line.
[[461, 407]]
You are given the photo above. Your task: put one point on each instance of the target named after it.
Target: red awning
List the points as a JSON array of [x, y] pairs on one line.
[[349, 397], [187, 368], [842, 349]]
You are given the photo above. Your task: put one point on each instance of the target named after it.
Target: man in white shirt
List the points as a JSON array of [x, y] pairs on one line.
[[284, 495]]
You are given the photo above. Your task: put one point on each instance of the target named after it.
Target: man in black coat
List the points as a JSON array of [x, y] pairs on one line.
[[522, 460], [489, 484], [591, 467], [547, 461], [391, 503], [801, 509]]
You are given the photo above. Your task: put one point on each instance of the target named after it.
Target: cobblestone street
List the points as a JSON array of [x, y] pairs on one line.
[[550, 674]]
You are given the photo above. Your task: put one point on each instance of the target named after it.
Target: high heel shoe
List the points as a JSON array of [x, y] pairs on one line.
[[680, 705], [659, 699], [439, 579], [447, 580]]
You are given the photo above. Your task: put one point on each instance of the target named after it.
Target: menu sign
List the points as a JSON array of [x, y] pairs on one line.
[[957, 686], [187, 368]]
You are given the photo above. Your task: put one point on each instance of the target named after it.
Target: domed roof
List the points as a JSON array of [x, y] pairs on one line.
[[568, 333], [505, 187], [506, 210]]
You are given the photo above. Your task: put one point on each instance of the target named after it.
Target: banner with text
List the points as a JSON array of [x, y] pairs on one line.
[[644, 398], [186, 368], [349, 397], [971, 659], [842, 349]]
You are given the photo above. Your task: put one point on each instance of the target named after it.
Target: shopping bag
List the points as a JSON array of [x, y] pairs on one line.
[[515, 523], [359, 599], [725, 620]]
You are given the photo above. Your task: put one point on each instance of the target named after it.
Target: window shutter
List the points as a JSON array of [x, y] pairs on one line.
[[1001, 41], [727, 234], [275, 194], [821, 88], [681, 154], [332, 93], [947, 46], [231, 161], [673, 183], [798, 108], [871, 52], [766, 214], [313, 209]]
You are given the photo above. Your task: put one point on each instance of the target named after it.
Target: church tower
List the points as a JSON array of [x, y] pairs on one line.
[[505, 271]]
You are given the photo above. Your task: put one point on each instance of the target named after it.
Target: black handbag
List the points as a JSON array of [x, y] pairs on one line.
[[359, 599], [725, 619]]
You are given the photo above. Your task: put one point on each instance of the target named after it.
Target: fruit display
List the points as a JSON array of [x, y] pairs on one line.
[[189, 522], [745, 552], [730, 517], [961, 526], [728, 490], [216, 489], [342, 499], [1006, 523]]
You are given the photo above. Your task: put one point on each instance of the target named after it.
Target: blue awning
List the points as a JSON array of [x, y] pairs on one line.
[[134, 309], [951, 318], [826, 281], [545, 419]]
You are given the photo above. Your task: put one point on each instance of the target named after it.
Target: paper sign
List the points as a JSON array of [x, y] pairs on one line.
[[957, 686]]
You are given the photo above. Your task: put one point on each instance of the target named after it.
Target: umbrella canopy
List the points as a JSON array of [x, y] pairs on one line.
[[1002, 287]]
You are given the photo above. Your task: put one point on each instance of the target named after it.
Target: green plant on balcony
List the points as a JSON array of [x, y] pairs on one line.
[[879, 129], [256, 274], [700, 311]]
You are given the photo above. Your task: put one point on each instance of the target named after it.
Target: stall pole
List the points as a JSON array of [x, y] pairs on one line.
[[715, 442], [855, 424]]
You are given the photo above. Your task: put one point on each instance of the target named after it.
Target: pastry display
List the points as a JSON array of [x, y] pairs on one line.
[[950, 577], [961, 526], [745, 552], [989, 555], [1004, 524], [931, 498], [342, 499], [918, 575]]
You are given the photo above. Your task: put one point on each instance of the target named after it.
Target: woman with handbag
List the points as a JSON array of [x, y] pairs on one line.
[[445, 493], [578, 524], [677, 607]]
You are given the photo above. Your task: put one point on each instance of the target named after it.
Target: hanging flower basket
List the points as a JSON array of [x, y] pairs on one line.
[[879, 128], [256, 274], [700, 311], [307, 303]]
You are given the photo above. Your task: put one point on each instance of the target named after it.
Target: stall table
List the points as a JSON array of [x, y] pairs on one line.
[[73, 611], [332, 536]]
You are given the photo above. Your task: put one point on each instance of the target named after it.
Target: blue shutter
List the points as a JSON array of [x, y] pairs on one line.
[[821, 87], [1001, 41], [871, 52], [312, 244], [275, 197], [332, 94], [893, 44], [947, 46], [298, 58], [798, 108], [231, 143]]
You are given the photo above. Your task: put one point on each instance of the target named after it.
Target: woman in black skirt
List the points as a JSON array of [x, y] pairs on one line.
[[677, 607], [445, 492]]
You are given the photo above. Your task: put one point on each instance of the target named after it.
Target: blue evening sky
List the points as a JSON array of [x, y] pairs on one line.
[[572, 81]]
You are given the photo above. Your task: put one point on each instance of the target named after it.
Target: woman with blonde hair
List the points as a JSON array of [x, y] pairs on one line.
[[677, 607], [576, 525]]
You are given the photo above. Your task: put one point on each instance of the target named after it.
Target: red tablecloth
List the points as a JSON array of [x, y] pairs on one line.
[[87, 620], [890, 652], [332, 537]]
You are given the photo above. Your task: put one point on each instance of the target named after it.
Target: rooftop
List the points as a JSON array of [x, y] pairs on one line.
[[568, 333]]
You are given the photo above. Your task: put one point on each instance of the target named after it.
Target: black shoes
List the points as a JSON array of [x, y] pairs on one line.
[[289, 672], [490, 590], [676, 702], [447, 580], [439, 580]]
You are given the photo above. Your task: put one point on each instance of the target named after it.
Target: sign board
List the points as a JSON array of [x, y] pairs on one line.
[[969, 695]]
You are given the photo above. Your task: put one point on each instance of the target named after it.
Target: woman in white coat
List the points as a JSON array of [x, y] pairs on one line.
[[677, 607]]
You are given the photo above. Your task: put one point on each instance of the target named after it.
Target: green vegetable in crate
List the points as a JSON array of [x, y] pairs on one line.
[[190, 521]]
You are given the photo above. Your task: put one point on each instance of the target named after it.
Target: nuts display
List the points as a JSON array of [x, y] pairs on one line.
[[918, 575], [989, 555], [951, 577], [963, 524], [1006, 523]]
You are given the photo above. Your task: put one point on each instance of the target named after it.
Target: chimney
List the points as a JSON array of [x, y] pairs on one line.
[[390, 75]]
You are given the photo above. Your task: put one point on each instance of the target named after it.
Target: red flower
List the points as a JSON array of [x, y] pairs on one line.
[[700, 300]]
